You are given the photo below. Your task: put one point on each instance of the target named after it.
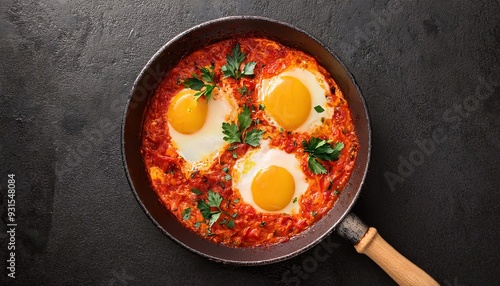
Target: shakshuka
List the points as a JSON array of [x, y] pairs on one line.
[[248, 142]]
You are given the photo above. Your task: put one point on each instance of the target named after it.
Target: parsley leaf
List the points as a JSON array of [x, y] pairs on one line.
[[243, 90], [231, 131], [244, 119], [213, 218], [253, 137], [205, 85], [319, 109], [193, 83], [236, 133], [196, 191], [248, 68], [204, 209], [208, 74], [233, 62], [214, 199], [321, 149], [315, 166], [230, 223], [186, 214]]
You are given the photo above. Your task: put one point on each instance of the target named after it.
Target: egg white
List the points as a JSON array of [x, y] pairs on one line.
[[252, 162], [318, 88], [199, 148]]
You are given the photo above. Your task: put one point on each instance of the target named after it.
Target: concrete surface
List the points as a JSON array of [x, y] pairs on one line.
[[430, 73]]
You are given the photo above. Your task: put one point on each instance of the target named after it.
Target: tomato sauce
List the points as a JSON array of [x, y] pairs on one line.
[[174, 185]]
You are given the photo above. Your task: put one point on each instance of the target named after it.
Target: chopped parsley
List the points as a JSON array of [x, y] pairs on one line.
[[314, 213], [319, 109], [321, 149], [227, 177], [214, 201], [243, 90], [204, 84], [196, 191], [230, 223], [237, 133], [186, 214], [294, 200], [233, 63]]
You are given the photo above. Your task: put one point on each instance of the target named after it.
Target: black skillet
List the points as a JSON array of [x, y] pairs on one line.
[[348, 225]]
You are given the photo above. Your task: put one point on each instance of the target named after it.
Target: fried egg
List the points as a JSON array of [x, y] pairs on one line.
[[195, 125], [270, 180], [291, 98]]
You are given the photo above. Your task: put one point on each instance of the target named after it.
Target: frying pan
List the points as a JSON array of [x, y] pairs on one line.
[[366, 239]]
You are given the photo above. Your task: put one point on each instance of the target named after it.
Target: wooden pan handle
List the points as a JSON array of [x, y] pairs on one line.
[[402, 270]]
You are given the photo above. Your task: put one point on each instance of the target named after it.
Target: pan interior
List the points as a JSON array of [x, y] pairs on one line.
[[144, 88]]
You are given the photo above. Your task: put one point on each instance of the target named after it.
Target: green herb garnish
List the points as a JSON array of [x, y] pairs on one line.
[[233, 63], [321, 149], [214, 200], [204, 84], [319, 109], [230, 223], [243, 90], [196, 191], [186, 214], [237, 133]]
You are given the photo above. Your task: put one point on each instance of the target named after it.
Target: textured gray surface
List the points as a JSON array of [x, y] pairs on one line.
[[424, 68]]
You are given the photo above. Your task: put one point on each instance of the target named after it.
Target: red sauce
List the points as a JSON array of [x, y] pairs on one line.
[[251, 228]]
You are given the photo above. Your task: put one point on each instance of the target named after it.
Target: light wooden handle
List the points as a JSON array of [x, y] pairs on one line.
[[402, 270]]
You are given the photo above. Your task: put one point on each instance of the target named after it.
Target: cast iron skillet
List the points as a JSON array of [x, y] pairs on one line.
[[144, 88]]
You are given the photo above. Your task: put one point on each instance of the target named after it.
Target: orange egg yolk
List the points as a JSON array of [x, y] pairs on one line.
[[273, 188], [186, 114], [289, 103]]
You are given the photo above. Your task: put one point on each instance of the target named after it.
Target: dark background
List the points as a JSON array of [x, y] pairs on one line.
[[424, 68]]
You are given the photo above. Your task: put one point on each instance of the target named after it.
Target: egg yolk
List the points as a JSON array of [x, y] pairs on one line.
[[186, 114], [273, 188], [289, 103]]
